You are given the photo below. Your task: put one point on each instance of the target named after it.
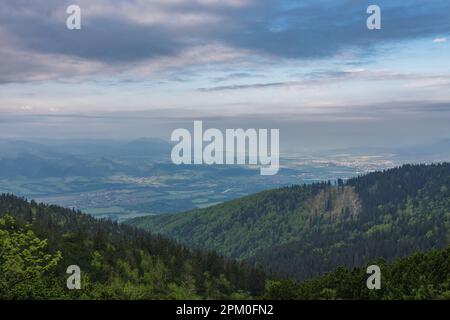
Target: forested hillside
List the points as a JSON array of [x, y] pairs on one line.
[[38, 242], [305, 231], [420, 276]]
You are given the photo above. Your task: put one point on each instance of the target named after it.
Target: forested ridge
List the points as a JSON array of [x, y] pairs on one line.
[[419, 276], [306, 231], [38, 242]]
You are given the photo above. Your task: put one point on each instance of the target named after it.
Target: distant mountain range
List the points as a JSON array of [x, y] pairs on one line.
[[86, 147], [99, 158], [90, 158], [305, 231]]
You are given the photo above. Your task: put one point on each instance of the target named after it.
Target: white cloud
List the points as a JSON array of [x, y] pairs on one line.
[[440, 40]]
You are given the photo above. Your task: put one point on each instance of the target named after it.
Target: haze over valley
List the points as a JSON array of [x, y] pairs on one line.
[[127, 179]]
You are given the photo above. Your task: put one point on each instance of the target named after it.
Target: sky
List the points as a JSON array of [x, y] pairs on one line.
[[311, 68]]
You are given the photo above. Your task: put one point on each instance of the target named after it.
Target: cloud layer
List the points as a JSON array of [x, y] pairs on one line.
[[141, 37], [141, 67]]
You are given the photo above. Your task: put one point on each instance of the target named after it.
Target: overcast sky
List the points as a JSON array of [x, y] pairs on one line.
[[309, 67]]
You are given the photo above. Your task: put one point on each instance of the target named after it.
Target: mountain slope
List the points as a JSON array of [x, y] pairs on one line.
[[306, 231], [120, 262], [421, 276], [117, 261]]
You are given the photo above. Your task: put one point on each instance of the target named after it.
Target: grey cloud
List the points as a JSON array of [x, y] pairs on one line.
[[281, 29], [238, 75], [326, 76], [319, 29], [106, 40], [247, 86], [442, 107]]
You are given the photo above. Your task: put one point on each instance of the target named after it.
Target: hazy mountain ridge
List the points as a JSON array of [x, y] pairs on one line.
[[87, 158]]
